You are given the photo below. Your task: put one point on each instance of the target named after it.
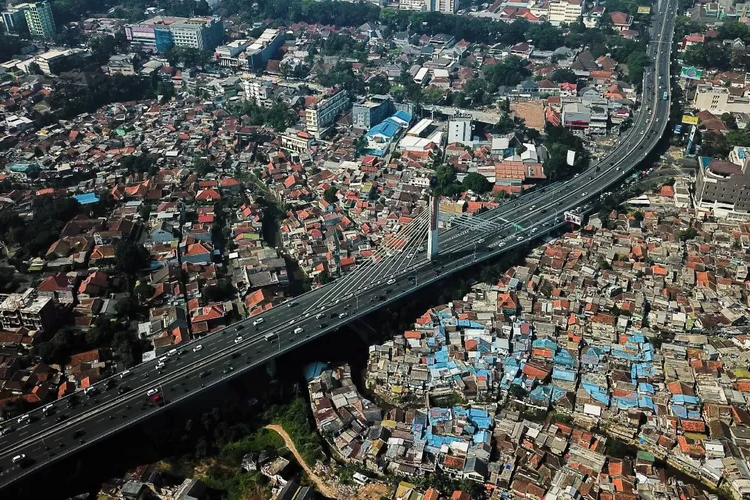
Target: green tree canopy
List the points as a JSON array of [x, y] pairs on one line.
[[476, 183]]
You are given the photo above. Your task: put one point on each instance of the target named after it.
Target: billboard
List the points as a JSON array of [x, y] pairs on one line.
[[691, 73], [689, 120], [571, 157], [645, 9]]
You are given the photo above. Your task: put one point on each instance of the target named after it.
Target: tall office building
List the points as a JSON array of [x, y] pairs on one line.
[[159, 33], [14, 20], [39, 19]]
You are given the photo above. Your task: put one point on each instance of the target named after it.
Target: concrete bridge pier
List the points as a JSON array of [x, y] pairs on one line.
[[432, 235], [271, 368]]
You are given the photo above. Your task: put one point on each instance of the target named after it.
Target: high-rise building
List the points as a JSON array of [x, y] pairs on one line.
[[319, 117], [723, 188], [159, 33], [39, 19], [459, 130], [14, 20]]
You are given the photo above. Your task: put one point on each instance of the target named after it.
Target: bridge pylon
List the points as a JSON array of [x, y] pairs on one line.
[[432, 235]]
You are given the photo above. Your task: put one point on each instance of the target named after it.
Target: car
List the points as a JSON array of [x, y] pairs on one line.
[[258, 321], [153, 391], [291, 304], [61, 417], [156, 398], [292, 321], [123, 389], [24, 419], [227, 370], [78, 433], [238, 340], [320, 316], [501, 244], [203, 374], [198, 348], [342, 315], [47, 409], [584, 194], [322, 325], [160, 365], [298, 330], [390, 281], [90, 391], [520, 238], [239, 327], [19, 458]]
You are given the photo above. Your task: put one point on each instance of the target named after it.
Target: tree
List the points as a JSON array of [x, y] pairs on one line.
[[729, 120], [379, 84], [35, 69], [477, 183], [130, 258], [561, 75], [329, 195], [637, 62]]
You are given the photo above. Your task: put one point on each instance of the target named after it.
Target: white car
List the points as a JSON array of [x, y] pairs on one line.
[[19, 458], [342, 315], [198, 348], [520, 238], [258, 321], [159, 366], [237, 340], [390, 281], [291, 322], [298, 330], [320, 316], [153, 391]]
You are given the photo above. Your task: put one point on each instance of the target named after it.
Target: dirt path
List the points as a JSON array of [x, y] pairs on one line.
[[322, 486]]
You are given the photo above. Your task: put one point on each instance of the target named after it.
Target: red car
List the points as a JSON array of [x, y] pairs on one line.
[[156, 398]]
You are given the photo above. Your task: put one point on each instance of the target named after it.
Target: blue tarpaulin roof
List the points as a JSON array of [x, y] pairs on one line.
[[87, 198]]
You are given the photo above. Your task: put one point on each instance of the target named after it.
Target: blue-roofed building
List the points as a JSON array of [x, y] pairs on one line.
[[381, 136], [87, 198]]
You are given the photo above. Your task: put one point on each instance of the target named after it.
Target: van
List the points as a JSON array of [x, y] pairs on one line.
[[19, 458], [172, 352], [126, 373], [269, 337], [163, 359], [298, 330]]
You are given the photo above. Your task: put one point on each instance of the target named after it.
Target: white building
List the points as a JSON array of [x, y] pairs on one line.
[[718, 100], [459, 130], [444, 6], [564, 11], [319, 117], [258, 90]]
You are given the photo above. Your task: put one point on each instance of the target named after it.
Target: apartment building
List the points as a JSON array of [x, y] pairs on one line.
[[258, 90], [564, 11], [27, 310], [320, 116], [719, 100], [36, 17]]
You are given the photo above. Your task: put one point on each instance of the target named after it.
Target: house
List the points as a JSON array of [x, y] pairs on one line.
[[621, 21], [94, 285], [58, 287], [207, 195], [162, 234], [197, 253]]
